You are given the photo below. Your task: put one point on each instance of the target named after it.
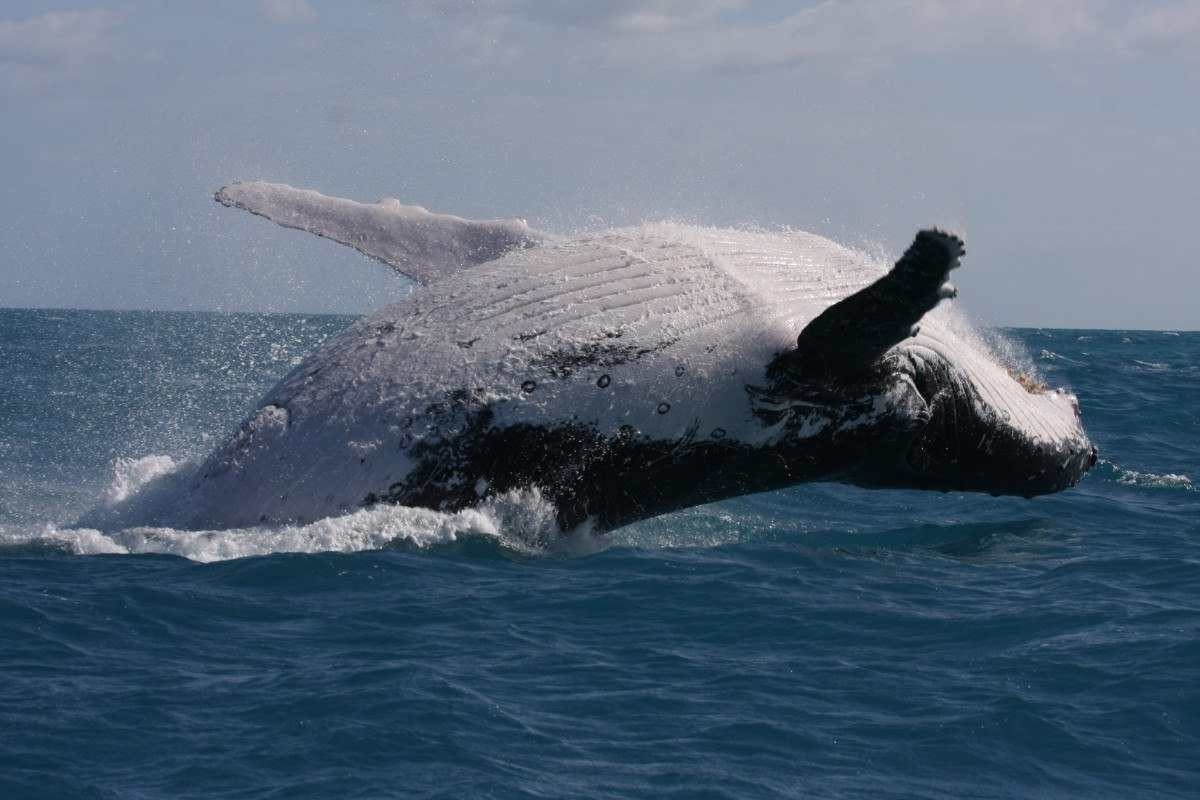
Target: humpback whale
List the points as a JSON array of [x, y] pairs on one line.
[[628, 373]]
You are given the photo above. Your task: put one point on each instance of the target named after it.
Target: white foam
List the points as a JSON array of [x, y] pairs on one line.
[[1169, 480], [519, 520], [1131, 477], [130, 475], [76, 540]]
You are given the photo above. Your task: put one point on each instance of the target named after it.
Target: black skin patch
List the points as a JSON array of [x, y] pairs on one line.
[[611, 353], [619, 478], [614, 479]]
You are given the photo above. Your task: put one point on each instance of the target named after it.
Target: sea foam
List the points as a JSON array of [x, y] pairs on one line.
[[1150, 480], [520, 520]]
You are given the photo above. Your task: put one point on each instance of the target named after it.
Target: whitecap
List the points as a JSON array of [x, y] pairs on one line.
[[1169, 480], [1131, 477], [522, 521]]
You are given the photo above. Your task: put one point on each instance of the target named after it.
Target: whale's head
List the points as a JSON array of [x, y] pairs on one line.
[[975, 425], [912, 397]]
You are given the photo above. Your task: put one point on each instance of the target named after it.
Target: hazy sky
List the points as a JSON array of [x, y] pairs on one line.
[[1062, 137]]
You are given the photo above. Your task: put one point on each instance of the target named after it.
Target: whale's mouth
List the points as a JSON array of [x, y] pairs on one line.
[[974, 441]]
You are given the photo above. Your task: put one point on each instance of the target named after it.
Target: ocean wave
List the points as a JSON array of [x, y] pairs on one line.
[[1151, 480], [1050, 355], [520, 521], [1170, 480]]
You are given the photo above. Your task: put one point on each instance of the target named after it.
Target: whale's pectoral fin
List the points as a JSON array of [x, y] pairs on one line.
[[851, 335], [415, 242]]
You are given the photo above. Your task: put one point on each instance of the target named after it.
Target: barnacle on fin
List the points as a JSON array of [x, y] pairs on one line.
[[1029, 383]]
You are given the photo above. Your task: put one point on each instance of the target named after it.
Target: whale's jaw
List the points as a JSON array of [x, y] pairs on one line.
[[995, 433], [961, 452]]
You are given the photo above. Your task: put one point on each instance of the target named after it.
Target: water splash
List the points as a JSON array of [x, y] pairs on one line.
[[130, 475], [1150, 480], [519, 521]]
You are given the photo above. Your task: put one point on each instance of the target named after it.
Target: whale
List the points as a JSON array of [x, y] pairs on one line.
[[628, 373]]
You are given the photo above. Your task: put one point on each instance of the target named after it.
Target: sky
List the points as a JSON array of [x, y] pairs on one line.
[[1060, 137]]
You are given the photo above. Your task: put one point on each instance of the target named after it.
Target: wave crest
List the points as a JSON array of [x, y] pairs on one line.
[[1151, 480], [519, 520]]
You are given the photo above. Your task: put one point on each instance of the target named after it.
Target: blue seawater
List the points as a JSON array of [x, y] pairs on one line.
[[818, 642]]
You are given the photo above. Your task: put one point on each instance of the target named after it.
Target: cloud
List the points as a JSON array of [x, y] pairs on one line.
[[874, 31], [288, 11], [1175, 25], [57, 39], [640, 16], [602, 15], [849, 34]]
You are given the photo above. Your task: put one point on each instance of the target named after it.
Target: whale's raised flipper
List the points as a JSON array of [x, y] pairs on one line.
[[415, 242], [851, 335]]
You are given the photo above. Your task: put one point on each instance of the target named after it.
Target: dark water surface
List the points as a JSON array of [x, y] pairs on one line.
[[818, 642]]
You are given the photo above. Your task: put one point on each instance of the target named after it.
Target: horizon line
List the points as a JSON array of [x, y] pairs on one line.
[[224, 312]]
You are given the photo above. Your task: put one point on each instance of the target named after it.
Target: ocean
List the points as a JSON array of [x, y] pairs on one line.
[[823, 641]]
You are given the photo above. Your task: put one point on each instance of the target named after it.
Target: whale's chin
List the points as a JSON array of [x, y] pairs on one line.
[[979, 439]]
